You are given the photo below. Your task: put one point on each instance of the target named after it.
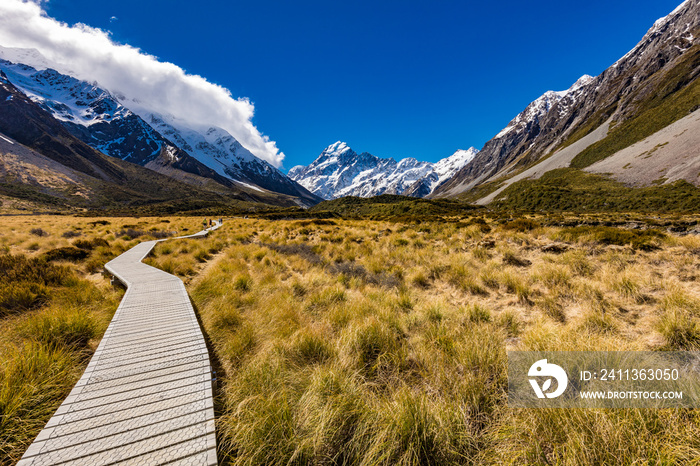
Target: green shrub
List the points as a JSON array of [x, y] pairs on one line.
[[68, 253], [568, 189], [522, 225], [638, 239], [89, 245], [38, 232]]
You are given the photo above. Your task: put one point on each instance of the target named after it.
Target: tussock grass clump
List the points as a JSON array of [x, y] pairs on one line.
[[34, 380], [552, 307], [243, 283], [60, 328], [509, 321], [309, 347], [27, 282], [596, 436], [680, 329], [19, 268], [21, 296], [598, 322], [420, 279], [478, 313], [515, 284], [510, 258]]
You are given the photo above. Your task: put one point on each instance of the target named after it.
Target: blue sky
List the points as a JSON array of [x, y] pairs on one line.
[[394, 78]]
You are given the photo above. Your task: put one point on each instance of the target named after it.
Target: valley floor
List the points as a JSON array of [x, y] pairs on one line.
[[373, 342]]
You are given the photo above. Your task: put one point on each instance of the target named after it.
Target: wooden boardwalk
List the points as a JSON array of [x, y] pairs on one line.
[[146, 396]]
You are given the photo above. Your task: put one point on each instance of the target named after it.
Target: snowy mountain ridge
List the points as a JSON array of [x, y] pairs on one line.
[[339, 171], [542, 105], [138, 135]]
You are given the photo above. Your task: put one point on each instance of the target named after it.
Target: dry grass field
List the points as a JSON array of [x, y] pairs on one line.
[[372, 342], [357, 342]]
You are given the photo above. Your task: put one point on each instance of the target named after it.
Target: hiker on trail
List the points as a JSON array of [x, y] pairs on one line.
[[205, 223]]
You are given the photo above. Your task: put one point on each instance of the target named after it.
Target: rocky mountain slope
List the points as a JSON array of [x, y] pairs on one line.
[[221, 152], [649, 88], [43, 162], [98, 118], [339, 171]]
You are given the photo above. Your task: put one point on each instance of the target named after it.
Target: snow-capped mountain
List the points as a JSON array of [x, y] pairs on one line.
[[443, 170], [657, 70], [339, 171], [221, 152], [98, 117], [542, 105], [89, 112]]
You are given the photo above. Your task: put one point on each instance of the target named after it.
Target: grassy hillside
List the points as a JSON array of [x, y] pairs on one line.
[[573, 190]]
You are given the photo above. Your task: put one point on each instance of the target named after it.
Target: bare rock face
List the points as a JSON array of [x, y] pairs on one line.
[[618, 92]]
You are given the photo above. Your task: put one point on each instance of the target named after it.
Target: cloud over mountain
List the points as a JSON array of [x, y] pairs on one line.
[[134, 76]]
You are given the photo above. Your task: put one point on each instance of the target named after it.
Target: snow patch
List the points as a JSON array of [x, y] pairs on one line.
[[251, 186]]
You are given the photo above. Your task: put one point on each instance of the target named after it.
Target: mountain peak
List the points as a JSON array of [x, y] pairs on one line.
[[337, 148], [659, 23], [339, 171], [582, 81]]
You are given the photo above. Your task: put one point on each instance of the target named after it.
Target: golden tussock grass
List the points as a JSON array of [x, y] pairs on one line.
[[371, 342], [368, 342]]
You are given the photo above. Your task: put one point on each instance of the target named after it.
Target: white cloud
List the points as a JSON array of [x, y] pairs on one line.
[[89, 54]]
